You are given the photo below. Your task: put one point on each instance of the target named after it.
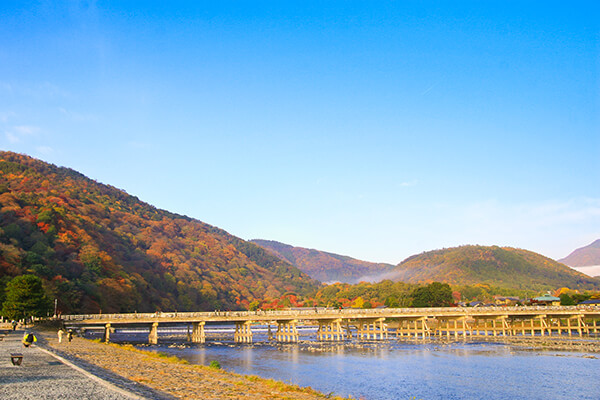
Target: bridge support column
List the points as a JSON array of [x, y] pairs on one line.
[[243, 332], [198, 335], [544, 326], [372, 327], [330, 330], [153, 335], [581, 326], [413, 327], [106, 337], [286, 331]]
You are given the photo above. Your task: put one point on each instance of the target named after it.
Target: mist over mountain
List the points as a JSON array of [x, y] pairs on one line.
[[584, 256], [324, 266], [98, 248]]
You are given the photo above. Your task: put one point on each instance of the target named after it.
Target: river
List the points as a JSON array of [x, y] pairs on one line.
[[406, 370]]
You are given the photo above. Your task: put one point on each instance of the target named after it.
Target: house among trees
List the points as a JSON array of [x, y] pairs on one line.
[[506, 301], [546, 300], [591, 302]]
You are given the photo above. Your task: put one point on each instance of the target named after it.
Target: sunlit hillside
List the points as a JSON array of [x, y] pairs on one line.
[[499, 266], [99, 248]]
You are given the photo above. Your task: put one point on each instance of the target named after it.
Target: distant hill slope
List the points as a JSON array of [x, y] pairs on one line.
[[498, 266], [584, 256], [326, 267], [98, 248]]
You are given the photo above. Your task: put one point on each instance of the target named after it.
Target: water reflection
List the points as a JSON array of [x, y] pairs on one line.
[[397, 370]]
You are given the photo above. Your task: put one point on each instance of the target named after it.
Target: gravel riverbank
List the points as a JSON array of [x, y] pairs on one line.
[[172, 377]]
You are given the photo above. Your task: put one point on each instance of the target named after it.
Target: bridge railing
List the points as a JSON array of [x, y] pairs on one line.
[[327, 312]]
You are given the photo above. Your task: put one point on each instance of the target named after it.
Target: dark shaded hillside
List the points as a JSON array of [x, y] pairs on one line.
[[499, 266], [98, 248], [584, 256], [326, 267]]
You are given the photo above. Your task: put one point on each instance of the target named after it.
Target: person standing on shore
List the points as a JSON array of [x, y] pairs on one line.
[[28, 339], [60, 335], [70, 335]]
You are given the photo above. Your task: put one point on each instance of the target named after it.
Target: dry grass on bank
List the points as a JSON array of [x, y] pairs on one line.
[[177, 377]]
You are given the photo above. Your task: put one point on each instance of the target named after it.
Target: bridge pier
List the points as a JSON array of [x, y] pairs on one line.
[[413, 327], [286, 331], [243, 332], [372, 327], [330, 330], [106, 336], [153, 335], [198, 335]]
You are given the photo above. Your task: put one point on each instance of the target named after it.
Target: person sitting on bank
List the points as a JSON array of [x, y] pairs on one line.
[[28, 339]]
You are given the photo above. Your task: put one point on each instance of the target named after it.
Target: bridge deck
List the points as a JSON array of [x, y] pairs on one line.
[[364, 324]]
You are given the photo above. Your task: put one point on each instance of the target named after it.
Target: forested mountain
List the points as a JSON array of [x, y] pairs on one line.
[[498, 266], [584, 256], [326, 267], [98, 248]]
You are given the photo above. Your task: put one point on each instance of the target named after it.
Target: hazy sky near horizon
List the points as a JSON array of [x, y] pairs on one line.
[[372, 129]]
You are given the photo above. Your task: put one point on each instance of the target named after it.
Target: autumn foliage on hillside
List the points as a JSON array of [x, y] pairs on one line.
[[326, 267], [97, 248], [503, 267]]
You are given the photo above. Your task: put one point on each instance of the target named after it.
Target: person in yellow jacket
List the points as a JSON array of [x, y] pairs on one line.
[[28, 339]]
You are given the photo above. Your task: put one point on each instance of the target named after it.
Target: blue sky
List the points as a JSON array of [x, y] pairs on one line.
[[372, 129]]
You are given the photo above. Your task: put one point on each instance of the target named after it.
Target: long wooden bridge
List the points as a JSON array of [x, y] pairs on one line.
[[363, 324]]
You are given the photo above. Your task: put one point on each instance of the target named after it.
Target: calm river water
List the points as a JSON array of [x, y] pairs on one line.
[[403, 370]]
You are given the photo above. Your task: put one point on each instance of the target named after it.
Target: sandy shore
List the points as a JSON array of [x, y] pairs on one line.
[[175, 377]]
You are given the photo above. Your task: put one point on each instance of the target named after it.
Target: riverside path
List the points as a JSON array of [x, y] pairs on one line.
[[43, 375], [362, 324]]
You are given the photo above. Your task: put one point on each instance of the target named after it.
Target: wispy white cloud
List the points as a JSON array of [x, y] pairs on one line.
[[6, 87], [140, 145], [44, 150], [11, 137], [26, 130], [414, 182], [16, 134], [6, 115], [76, 116], [36, 90]]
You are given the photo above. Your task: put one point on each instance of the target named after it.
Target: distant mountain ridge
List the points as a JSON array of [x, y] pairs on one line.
[[324, 266], [498, 266], [99, 248], [584, 256]]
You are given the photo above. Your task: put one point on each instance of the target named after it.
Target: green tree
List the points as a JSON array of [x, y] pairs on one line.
[[435, 294], [566, 300], [254, 305], [25, 297]]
